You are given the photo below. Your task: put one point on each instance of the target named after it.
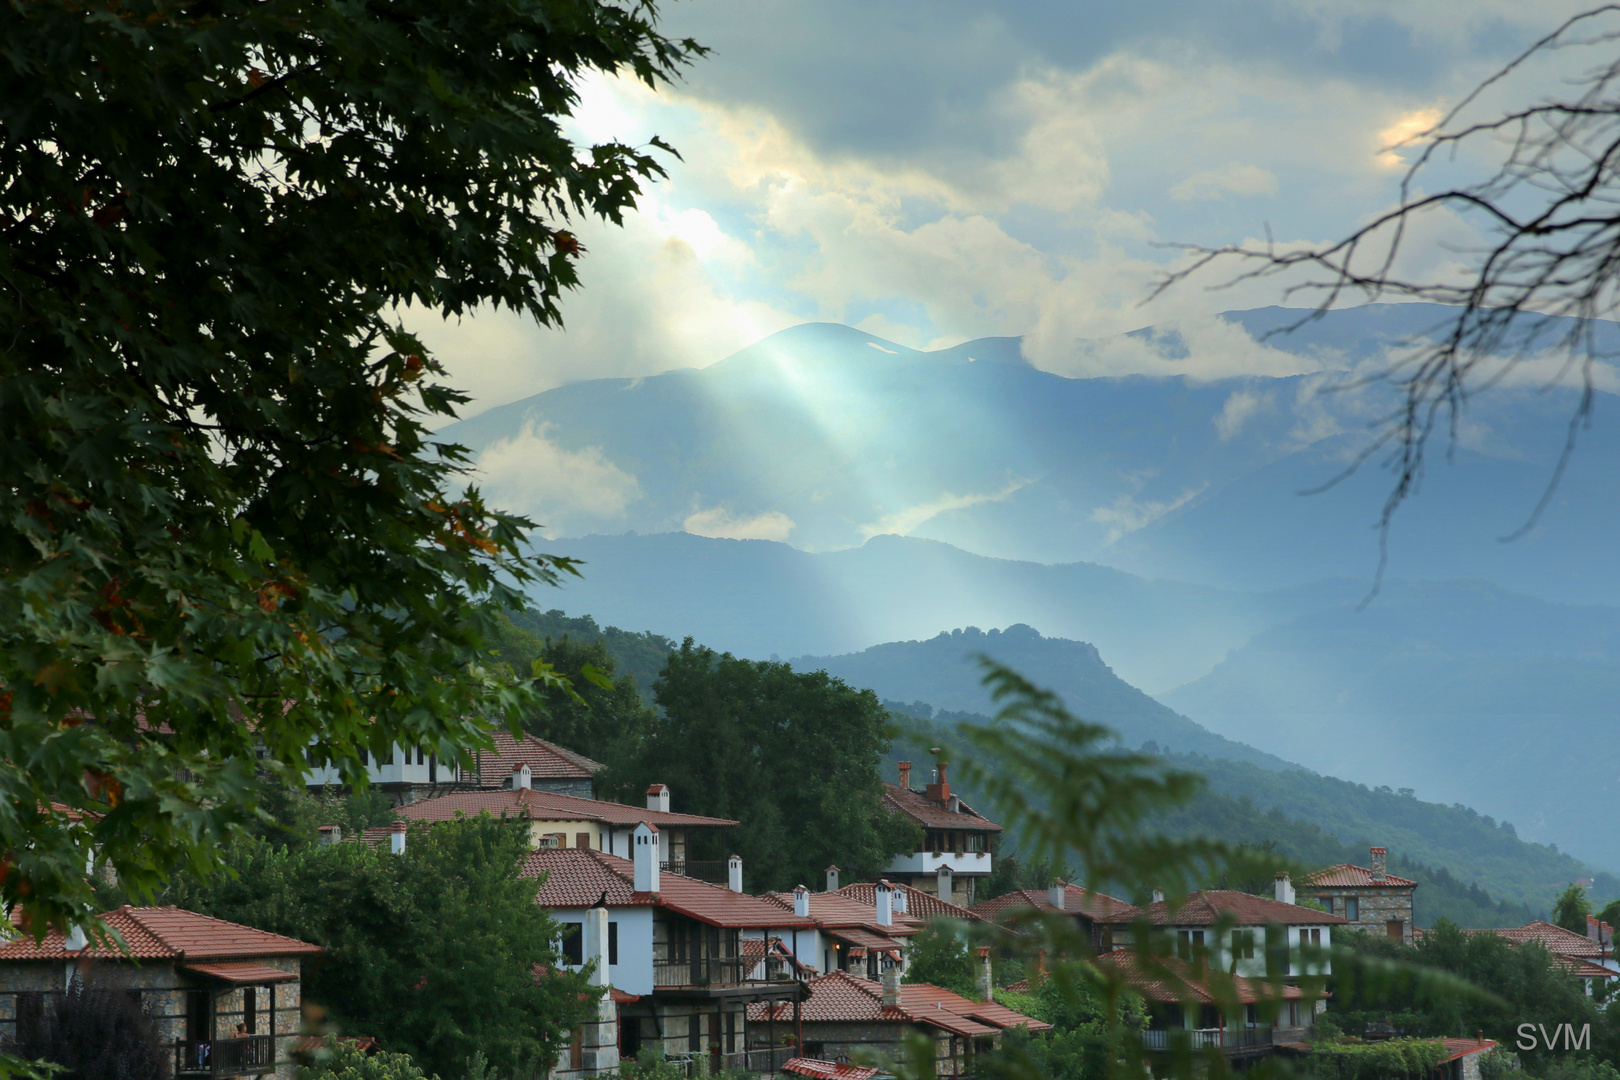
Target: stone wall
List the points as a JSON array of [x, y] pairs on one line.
[[1377, 906]]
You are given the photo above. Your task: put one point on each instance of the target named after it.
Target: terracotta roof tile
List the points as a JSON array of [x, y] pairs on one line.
[[837, 910], [919, 905], [1348, 874], [817, 1069], [578, 877], [1171, 980], [529, 803], [1076, 901], [839, 997], [933, 815], [166, 933], [243, 974], [545, 759], [1245, 909], [1555, 939]]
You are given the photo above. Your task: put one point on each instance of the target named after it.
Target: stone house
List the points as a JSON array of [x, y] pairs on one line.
[[958, 846], [846, 1014], [227, 998], [1369, 898]]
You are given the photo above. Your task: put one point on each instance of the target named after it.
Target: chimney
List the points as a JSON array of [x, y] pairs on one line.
[[1285, 887], [1058, 894], [891, 988], [986, 984], [658, 798], [905, 775], [885, 904], [940, 790], [1158, 896], [1378, 864], [801, 902], [396, 838], [76, 940], [522, 778], [832, 879], [645, 855], [944, 884], [734, 873], [1594, 928], [331, 834], [900, 901]]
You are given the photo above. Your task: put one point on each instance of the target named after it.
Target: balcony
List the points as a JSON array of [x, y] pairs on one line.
[[714, 871], [1233, 1040], [968, 863], [719, 972], [243, 1055]]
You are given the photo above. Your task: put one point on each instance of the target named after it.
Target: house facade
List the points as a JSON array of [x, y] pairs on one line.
[[958, 849], [685, 958], [848, 935], [1242, 1017], [409, 775], [1368, 897], [1094, 913], [227, 998]]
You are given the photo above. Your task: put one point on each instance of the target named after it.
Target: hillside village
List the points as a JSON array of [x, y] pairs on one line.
[[686, 962]]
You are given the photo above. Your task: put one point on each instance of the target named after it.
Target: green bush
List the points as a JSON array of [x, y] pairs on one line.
[[337, 1060], [1375, 1061]]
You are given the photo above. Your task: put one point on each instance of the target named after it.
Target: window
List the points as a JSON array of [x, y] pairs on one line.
[[613, 942], [250, 1012], [573, 943], [1243, 944], [1311, 937], [582, 840], [1188, 942], [198, 1016], [1352, 908], [30, 1014], [421, 756]]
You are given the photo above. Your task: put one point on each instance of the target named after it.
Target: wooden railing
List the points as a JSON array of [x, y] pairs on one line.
[[714, 871], [704, 971], [239, 1056], [1226, 1039]]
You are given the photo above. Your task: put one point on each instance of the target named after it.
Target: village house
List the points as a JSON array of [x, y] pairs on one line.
[[1094, 913], [913, 903], [675, 950], [958, 842], [227, 997], [848, 935], [1369, 898], [1588, 957], [847, 1014], [1240, 933], [566, 821], [407, 776]]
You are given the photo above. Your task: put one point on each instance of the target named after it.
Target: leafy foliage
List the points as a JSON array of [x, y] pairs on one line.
[[1374, 1061], [432, 951], [640, 654], [96, 1032], [338, 1060], [938, 956], [1084, 1038], [1571, 909], [791, 755], [223, 523]]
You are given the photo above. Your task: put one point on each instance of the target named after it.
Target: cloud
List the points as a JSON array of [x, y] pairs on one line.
[[902, 522], [531, 474], [1403, 135], [719, 524], [1126, 514], [1233, 178], [1237, 410], [1202, 348]]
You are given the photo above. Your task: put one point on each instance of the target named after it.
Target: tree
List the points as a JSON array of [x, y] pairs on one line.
[[1571, 909], [432, 951], [937, 955], [96, 1032], [792, 755], [224, 525], [1550, 211], [336, 1060]]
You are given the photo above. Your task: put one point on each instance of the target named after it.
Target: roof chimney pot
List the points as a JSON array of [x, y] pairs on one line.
[[891, 988], [522, 778], [658, 798], [646, 856], [1284, 888], [1058, 894], [905, 775], [1378, 864], [832, 879], [885, 904], [801, 902], [734, 873], [396, 838]]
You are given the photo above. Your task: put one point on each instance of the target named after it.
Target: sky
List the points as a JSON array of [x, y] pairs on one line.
[[941, 171]]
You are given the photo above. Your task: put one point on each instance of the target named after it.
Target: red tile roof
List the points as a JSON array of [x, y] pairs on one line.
[[839, 997], [1555, 939], [817, 1069], [1347, 874], [1458, 1048], [1170, 980], [578, 877], [243, 974], [836, 911], [934, 815], [919, 905], [1076, 901], [165, 933], [866, 939], [545, 760], [1244, 909], [548, 805]]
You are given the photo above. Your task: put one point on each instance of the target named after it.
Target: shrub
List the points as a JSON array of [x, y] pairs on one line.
[[96, 1032]]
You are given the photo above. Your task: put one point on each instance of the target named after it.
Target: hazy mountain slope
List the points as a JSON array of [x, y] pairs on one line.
[[755, 598], [1459, 690], [943, 672]]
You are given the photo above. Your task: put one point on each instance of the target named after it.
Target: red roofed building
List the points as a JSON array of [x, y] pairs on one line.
[[206, 979], [913, 902], [1241, 1017], [863, 938], [1369, 898], [958, 842], [1589, 959], [565, 821], [691, 955], [1093, 912], [846, 1013], [407, 775]]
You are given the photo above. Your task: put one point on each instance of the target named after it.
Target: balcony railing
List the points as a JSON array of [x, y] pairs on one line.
[[714, 871], [239, 1056], [1225, 1039], [717, 971]]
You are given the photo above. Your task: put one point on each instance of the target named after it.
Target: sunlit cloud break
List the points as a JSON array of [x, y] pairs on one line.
[[902, 522]]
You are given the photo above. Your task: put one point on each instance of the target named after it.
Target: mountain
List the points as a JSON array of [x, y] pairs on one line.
[[1459, 689], [823, 436], [758, 597]]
